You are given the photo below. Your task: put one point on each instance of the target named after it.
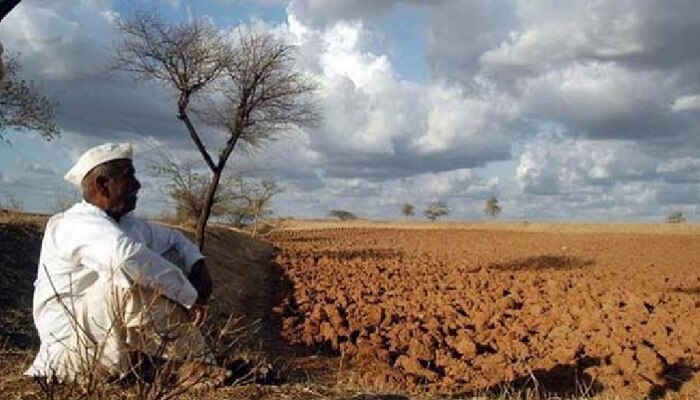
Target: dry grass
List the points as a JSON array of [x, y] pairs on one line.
[[16, 217]]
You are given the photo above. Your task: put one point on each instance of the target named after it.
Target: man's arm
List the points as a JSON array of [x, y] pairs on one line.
[[166, 241], [163, 240], [105, 248], [148, 269]]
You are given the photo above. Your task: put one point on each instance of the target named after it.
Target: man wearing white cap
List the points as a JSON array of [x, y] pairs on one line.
[[109, 283]]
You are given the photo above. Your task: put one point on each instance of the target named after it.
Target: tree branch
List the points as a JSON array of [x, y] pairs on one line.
[[6, 6], [182, 115]]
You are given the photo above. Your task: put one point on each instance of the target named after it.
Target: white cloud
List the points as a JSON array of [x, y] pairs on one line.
[[686, 103], [603, 179], [457, 120], [551, 165], [600, 100], [376, 123], [558, 32]]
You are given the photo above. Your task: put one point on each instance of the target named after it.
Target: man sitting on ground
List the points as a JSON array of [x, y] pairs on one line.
[[110, 284]]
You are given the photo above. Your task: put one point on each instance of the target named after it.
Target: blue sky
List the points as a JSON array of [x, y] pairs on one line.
[[584, 110]]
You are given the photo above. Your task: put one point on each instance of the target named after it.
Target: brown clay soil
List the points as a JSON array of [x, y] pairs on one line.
[[470, 310]]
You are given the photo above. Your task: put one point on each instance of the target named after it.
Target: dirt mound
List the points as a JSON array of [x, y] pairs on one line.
[[242, 272], [472, 311], [20, 242]]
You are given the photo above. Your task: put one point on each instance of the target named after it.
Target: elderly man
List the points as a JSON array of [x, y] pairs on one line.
[[110, 284]]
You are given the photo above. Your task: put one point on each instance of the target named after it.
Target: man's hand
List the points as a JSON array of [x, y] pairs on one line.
[[201, 280], [198, 313]]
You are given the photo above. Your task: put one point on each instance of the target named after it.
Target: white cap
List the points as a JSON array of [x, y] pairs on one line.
[[96, 156]]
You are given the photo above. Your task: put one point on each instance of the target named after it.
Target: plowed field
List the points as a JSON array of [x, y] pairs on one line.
[[468, 310]]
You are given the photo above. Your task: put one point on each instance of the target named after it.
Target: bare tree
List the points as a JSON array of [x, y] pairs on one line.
[[5, 7], [22, 107], [251, 201], [186, 186], [2, 63], [250, 88]]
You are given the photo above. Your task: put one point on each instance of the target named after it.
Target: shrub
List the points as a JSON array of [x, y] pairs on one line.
[[11, 204], [675, 217], [408, 210], [436, 210], [342, 215]]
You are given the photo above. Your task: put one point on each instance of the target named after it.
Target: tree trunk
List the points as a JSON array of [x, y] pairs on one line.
[[255, 222], [206, 208]]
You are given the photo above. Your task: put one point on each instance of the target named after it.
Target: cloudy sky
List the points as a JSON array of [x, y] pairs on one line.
[[583, 110]]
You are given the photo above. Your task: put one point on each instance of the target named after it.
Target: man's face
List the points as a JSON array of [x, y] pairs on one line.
[[123, 187]]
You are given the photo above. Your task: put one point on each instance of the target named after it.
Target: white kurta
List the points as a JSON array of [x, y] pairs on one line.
[[83, 248]]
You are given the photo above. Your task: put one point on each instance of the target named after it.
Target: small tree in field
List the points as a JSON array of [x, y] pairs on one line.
[[251, 201], [675, 217], [492, 208], [11, 204], [249, 89], [436, 210], [187, 187], [342, 215], [408, 210]]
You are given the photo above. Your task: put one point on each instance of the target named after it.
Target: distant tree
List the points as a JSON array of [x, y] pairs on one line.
[[186, 186], [436, 210], [675, 217], [492, 208], [23, 107], [251, 201], [408, 210], [11, 204], [342, 215]]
